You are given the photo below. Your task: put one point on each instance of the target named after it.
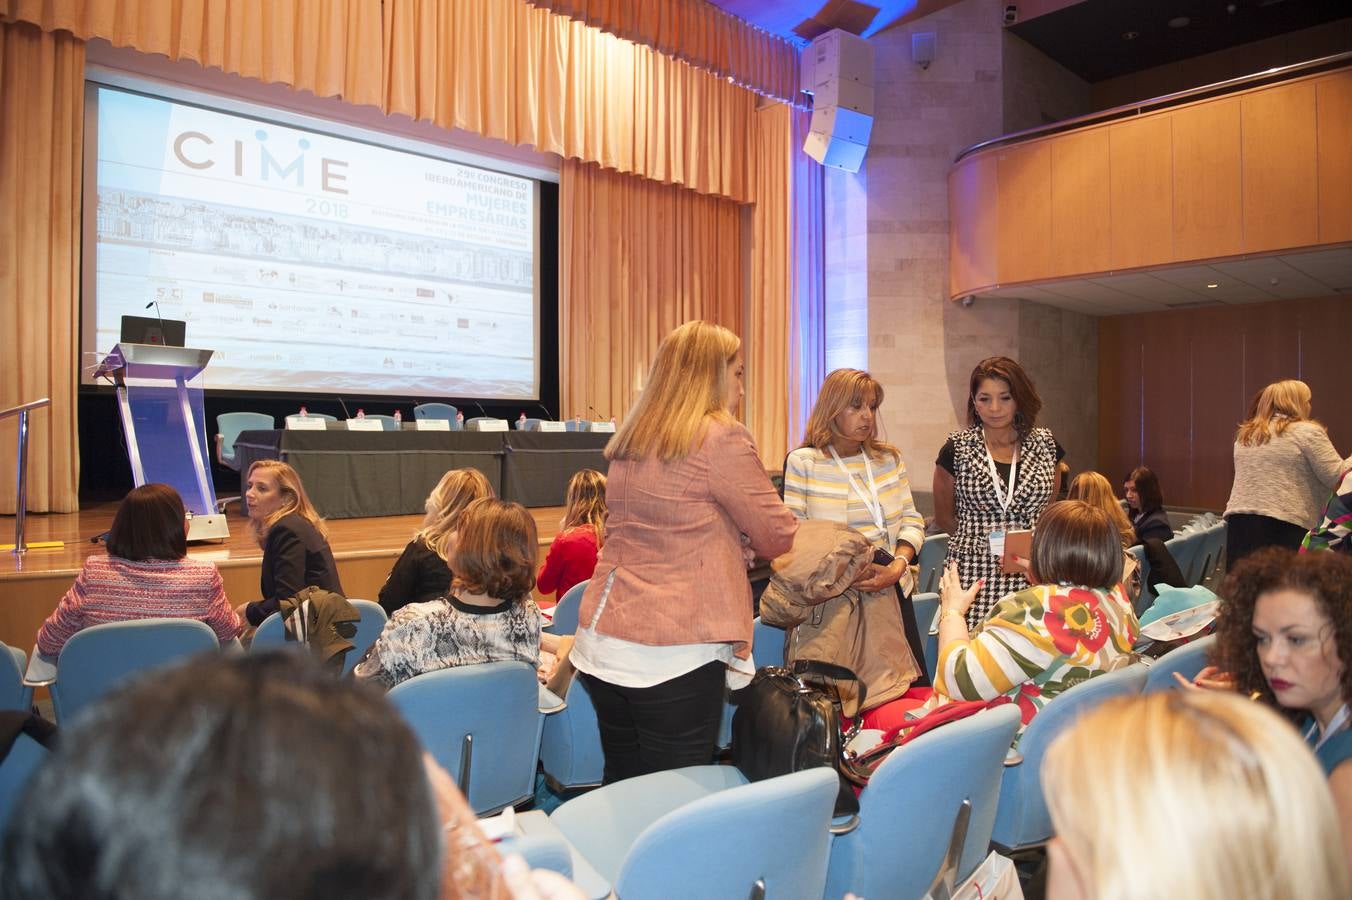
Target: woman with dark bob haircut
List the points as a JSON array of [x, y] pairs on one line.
[[1284, 635], [995, 476], [489, 614], [1073, 623], [1145, 505], [146, 574]]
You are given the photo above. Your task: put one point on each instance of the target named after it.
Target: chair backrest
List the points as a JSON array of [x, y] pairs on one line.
[[1021, 819], [482, 723], [229, 425], [436, 411], [773, 833], [271, 634], [25, 755], [575, 425], [926, 608], [1147, 597], [917, 792], [388, 423], [14, 694], [1214, 553], [570, 749], [565, 611], [372, 622], [1189, 551], [1187, 661], [767, 644], [931, 563], [96, 659]]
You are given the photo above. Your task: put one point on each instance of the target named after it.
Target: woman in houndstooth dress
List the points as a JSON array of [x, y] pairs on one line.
[[1002, 408]]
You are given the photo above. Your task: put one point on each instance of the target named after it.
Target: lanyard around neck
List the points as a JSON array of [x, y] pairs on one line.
[[1004, 499], [871, 501], [1338, 723]]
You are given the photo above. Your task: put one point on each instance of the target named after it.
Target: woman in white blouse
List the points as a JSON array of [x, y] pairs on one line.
[[844, 473]]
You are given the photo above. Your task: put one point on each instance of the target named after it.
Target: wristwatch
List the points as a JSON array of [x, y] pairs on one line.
[[946, 612]]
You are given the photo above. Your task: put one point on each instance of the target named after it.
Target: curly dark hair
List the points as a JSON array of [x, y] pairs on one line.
[[1325, 576]]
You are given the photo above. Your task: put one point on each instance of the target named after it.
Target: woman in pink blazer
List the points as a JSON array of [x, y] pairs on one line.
[[665, 623]]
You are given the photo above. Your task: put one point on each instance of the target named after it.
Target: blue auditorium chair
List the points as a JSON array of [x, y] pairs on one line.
[[1187, 661]]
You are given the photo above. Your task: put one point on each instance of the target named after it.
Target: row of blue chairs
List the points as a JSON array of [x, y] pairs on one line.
[[1200, 557]]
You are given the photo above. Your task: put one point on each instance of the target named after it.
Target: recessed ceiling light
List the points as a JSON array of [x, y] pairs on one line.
[[1213, 285], [1180, 22], [1130, 35]]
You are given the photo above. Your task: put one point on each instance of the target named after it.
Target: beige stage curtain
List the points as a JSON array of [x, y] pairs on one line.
[[41, 128], [328, 47], [507, 70], [699, 33], [769, 307], [636, 259]]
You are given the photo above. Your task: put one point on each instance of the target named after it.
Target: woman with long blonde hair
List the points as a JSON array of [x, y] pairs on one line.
[[423, 572], [665, 622], [1215, 795], [1285, 465], [295, 544], [572, 553], [1096, 490], [843, 472]]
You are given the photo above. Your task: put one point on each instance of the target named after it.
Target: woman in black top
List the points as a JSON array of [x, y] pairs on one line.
[[296, 552], [421, 573], [1145, 506]]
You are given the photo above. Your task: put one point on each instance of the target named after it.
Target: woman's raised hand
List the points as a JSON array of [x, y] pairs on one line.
[[952, 595]]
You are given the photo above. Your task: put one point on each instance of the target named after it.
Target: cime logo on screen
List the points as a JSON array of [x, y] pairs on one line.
[[193, 149]]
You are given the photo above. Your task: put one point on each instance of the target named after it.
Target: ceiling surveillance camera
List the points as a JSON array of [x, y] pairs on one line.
[[1011, 13], [968, 301]]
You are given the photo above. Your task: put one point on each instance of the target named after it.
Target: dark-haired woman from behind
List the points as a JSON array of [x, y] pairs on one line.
[[489, 615], [1145, 506], [146, 574]]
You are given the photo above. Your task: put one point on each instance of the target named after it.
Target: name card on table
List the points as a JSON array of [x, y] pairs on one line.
[[551, 426], [306, 423], [486, 424], [606, 427], [434, 424], [365, 425]]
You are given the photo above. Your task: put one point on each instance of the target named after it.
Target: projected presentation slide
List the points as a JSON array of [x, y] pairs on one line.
[[313, 263]]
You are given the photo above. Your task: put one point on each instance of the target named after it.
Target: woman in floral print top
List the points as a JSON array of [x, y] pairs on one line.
[[1073, 623]]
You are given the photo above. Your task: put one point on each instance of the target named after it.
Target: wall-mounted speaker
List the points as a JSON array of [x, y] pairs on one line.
[[838, 72]]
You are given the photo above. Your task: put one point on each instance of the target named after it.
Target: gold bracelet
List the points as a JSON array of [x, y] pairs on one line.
[[946, 612]]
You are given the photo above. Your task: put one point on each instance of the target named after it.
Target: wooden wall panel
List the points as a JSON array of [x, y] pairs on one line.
[[972, 236], [1024, 212], [1207, 207], [1334, 108], [1281, 196], [1081, 206], [1141, 186], [1201, 368]]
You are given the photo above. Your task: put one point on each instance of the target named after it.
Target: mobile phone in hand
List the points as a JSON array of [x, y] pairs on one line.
[[881, 557]]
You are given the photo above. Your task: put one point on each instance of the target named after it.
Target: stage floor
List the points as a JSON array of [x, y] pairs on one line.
[[31, 585]]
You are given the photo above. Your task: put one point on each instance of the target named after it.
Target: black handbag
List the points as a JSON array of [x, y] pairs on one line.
[[789, 719]]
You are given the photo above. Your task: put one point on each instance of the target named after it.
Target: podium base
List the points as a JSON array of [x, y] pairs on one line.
[[212, 527]]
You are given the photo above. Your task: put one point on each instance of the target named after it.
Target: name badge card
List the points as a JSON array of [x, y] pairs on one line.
[[434, 424], [305, 423], [365, 425], [551, 426], [606, 427]]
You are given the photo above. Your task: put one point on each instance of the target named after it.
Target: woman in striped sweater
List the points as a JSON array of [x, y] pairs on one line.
[[146, 574]]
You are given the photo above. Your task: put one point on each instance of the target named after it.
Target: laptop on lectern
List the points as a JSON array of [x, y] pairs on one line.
[[145, 330]]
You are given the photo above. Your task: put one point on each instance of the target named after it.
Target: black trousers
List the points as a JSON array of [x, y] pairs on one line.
[[914, 638], [1246, 532], [666, 726]]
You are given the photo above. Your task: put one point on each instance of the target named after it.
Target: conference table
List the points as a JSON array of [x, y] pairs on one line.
[[353, 474]]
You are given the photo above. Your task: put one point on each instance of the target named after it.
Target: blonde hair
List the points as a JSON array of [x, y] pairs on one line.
[[456, 490], [687, 386], [586, 503], [294, 499], [1095, 489], [1272, 410], [841, 389], [1212, 789]]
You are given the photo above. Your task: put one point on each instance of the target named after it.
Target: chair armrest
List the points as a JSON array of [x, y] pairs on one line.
[[220, 446], [41, 670], [550, 702]]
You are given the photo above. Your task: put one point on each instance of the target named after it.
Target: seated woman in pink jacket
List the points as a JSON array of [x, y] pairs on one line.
[[665, 623], [146, 574]]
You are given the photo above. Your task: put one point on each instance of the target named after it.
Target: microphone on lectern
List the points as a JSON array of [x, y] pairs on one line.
[[158, 315]]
